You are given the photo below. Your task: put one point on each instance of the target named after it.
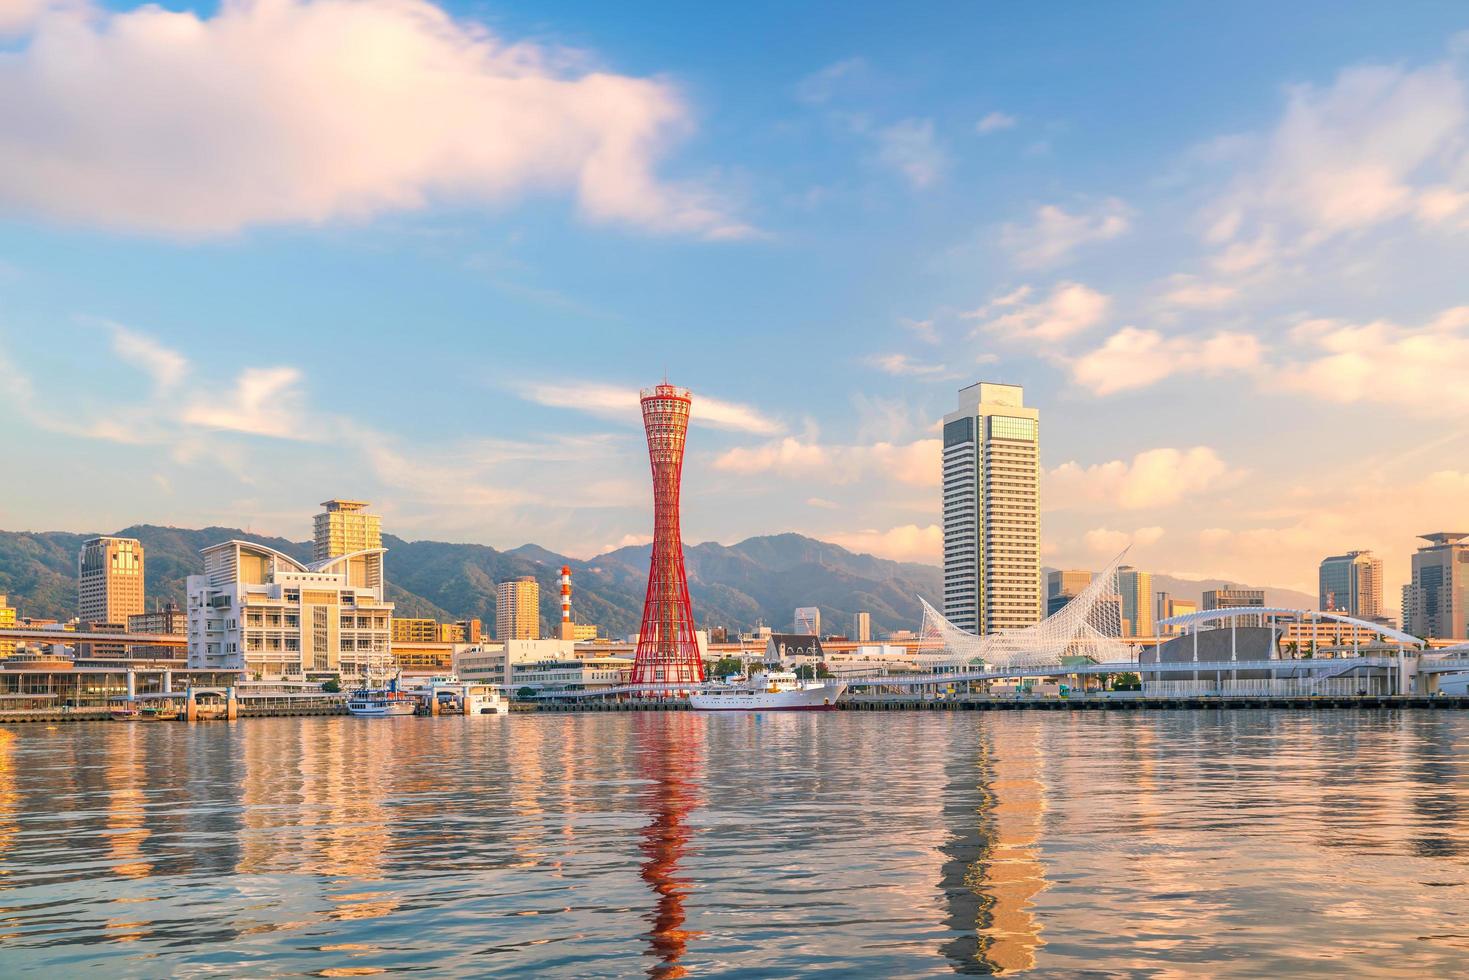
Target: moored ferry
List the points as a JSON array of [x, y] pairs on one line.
[[381, 703], [770, 691]]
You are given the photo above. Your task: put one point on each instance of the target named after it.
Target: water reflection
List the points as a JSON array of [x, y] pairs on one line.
[[669, 844], [671, 758], [995, 802]]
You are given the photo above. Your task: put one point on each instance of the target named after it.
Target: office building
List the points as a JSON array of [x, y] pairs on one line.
[[991, 508], [583, 632], [262, 612], [1166, 607], [1235, 598], [166, 620], [110, 576], [1436, 601], [518, 609], [7, 622], [1063, 585], [1351, 584], [1136, 590], [808, 621], [450, 633], [862, 627]]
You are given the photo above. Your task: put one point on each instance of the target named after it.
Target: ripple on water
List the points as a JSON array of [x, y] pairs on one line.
[[744, 845]]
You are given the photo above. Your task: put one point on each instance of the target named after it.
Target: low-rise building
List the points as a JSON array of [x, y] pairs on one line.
[[7, 621], [262, 612], [407, 629], [582, 674]]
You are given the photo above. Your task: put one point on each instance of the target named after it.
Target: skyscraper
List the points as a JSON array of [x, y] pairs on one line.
[[862, 627], [668, 649], [991, 499], [345, 528], [518, 609], [808, 621], [1352, 583], [1436, 602], [1063, 585], [110, 577], [1136, 589]]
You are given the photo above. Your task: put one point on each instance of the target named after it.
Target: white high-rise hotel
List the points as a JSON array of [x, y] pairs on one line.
[[992, 510]]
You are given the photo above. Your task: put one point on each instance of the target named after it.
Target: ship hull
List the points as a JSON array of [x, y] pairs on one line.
[[813, 699]]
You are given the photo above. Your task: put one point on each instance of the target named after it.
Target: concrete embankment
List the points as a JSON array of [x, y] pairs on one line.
[[1065, 704]]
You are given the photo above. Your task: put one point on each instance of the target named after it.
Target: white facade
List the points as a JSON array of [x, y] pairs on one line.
[[262, 612], [991, 509], [862, 627], [808, 621]]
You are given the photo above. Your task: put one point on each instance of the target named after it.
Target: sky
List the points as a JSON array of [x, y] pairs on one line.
[[261, 253]]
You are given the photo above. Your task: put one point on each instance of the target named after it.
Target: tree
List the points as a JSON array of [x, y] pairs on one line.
[[525, 692], [1127, 682], [331, 686], [725, 666], [806, 672]]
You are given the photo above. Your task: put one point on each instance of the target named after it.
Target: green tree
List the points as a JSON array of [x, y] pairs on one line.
[[526, 692], [807, 672], [725, 666], [1127, 682], [331, 686]]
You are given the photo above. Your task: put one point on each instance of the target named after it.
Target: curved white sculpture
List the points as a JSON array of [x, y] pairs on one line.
[[1089, 626]]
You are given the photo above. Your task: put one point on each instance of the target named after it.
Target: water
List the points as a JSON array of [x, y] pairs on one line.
[[1262, 842]]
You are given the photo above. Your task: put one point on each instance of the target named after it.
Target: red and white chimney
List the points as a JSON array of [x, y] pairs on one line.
[[566, 631]]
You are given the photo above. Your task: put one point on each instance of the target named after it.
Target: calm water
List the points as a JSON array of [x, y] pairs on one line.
[[663, 844]]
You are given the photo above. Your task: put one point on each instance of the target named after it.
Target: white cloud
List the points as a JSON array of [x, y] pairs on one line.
[[914, 463], [904, 366], [908, 542], [265, 402], [909, 147], [1070, 309], [1151, 479], [1055, 233], [167, 367], [1378, 144], [1109, 542], [922, 329], [819, 87], [1194, 293], [1136, 358], [274, 111], [995, 121], [617, 402], [821, 503], [1383, 363]]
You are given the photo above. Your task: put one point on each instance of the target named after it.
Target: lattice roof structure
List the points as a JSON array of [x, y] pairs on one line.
[[1089, 626]]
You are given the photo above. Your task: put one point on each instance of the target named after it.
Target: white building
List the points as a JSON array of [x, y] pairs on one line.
[[260, 611], [992, 510], [808, 621], [588, 673], [862, 627]]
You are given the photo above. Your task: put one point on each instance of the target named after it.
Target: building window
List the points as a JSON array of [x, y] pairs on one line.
[[1009, 427]]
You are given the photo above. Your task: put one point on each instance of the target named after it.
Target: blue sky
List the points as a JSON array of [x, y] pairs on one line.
[[258, 254]]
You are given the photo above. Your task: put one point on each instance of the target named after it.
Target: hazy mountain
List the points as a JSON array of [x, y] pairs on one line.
[[759, 579]]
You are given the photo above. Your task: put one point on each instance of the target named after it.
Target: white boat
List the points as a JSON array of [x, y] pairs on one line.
[[381, 703], [484, 699], [770, 691]]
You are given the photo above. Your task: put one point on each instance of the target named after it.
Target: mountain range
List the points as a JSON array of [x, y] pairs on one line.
[[760, 579]]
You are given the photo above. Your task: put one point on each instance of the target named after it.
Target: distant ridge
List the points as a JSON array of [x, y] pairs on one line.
[[759, 579]]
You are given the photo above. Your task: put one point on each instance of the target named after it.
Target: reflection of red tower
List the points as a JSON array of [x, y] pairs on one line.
[[668, 651]]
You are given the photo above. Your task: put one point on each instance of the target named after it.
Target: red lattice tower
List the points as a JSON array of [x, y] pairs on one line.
[[668, 651]]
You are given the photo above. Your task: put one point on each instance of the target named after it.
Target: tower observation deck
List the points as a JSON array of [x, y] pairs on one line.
[[668, 650]]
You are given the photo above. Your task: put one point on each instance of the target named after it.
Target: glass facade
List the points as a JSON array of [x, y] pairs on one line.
[[1009, 427]]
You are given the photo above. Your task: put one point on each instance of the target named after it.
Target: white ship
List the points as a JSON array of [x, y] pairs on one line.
[[770, 691], [381, 703]]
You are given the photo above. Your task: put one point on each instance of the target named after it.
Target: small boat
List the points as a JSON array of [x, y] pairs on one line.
[[381, 703], [484, 699], [770, 691]]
